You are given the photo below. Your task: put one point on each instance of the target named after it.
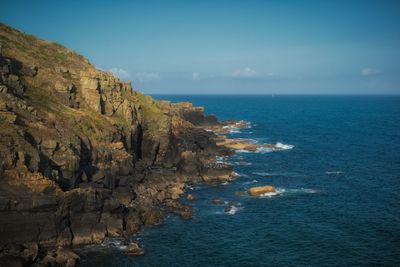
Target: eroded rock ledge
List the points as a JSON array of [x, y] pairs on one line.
[[85, 156]]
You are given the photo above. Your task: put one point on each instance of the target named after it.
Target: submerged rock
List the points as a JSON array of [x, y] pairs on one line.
[[240, 193], [218, 201], [190, 197], [259, 190]]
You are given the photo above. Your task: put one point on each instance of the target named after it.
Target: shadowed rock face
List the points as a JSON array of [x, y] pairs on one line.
[[84, 155]]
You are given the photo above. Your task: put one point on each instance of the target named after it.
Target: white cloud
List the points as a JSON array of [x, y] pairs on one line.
[[195, 76], [369, 72], [147, 76], [244, 73], [121, 73]]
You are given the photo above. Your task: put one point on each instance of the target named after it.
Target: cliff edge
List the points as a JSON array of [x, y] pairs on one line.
[[84, 155]]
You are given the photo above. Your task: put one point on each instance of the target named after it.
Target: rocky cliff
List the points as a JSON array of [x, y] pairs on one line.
[[83, 155]]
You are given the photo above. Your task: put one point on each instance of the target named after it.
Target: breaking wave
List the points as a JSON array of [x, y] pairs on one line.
[[232, 210], [242, 151], [283, 192], [243, 163], [262, 150], [277, 192], [114, 242], [235, 128]]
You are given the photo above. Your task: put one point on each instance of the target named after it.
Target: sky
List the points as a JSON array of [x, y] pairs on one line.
[[227, 47]]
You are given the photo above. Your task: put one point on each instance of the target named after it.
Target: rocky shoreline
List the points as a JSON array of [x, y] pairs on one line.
[[85, 156]]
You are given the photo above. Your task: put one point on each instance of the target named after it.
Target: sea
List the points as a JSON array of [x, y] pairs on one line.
[[338, 189]]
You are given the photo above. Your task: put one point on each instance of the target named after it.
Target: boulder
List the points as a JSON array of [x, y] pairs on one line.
[[190, 197], [134, 250], [259, 190]]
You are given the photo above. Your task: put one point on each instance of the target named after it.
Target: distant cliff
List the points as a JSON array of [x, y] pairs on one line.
[[84, 155]]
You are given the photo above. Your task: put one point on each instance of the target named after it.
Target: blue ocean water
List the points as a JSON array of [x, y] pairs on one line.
[[339, 201]]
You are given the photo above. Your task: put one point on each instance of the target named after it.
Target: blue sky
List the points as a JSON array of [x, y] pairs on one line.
[[236, 47]]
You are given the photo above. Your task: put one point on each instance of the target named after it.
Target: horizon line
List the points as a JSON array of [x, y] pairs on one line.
[[273, 94]]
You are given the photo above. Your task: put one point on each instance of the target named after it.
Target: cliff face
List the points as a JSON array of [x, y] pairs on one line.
[[84, 155]]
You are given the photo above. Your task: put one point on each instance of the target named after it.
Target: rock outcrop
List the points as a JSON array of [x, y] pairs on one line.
[[85, 156], [259, 190]]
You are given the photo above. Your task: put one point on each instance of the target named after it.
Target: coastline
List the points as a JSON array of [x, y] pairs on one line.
[[86, 156]]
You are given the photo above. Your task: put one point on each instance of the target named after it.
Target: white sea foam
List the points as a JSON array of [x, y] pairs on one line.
[[243, 151], [114, 242], [235, 128], [243, 163], [233, 210], [289, 191], [263, 150], [242, 175], [278, 191], [283, 146]]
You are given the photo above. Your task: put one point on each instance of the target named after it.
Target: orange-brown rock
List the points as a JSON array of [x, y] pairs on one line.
[[259, 190]]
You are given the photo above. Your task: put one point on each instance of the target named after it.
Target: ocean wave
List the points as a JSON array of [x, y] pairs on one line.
[[114, 242], [278, 191], [235, 128], [277, 147], [272, 148], [250, 182], [333, 172], [283, 146], [242, 163], [289, 191], [233, 210], [242, 175], [303, 191], [243, 151], [263, 173], [263, 150]]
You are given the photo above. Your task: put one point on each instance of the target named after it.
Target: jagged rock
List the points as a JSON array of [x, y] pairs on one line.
[[3, 89], [31, 251], [134, 249], [133, 222], [66, 257], [61, 69], [8, 116]]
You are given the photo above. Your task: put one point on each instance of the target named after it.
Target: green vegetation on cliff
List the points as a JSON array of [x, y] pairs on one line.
[[84, 155]]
